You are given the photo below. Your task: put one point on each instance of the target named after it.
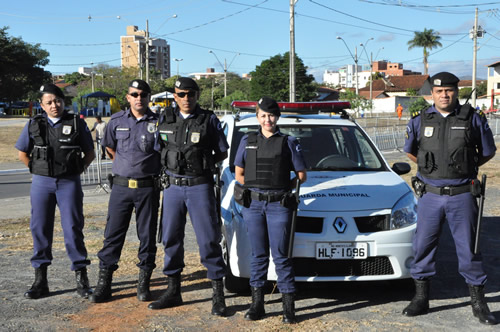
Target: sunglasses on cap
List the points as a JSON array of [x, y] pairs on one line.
[[190, 94], [142, 94]]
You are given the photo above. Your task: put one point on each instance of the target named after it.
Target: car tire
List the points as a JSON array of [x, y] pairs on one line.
[[232, 283]]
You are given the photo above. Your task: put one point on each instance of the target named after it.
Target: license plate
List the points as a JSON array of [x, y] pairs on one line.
[[341, 250]]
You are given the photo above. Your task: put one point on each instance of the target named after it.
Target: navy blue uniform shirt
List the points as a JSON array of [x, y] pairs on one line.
[[482, 137], [133, 140]]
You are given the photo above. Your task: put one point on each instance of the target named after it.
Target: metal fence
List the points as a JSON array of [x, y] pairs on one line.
[[387, 133]]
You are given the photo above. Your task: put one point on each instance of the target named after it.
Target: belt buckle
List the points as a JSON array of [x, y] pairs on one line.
[[132, 183], [445, 191]]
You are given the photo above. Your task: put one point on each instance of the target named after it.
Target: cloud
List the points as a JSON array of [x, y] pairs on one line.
[[386, 37]]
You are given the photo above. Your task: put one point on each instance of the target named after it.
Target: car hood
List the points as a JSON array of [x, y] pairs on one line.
[[347, 191]]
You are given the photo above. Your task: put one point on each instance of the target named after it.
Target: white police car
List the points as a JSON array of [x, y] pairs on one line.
[[356, 216]]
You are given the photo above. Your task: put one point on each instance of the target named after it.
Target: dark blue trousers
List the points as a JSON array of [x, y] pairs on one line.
[[268, 227], [461, 212], [122, 202], [199, 201], [66, 193]]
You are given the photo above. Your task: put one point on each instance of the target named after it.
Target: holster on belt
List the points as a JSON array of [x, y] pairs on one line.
[[418, 186]]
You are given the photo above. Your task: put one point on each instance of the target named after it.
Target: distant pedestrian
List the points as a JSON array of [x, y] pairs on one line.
[[399, 109], [56, 146], [99, 127], [130, 138]]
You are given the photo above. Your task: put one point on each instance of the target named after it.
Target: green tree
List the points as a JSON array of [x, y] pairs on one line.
[[411, 92], [464, 93], [481, 89], [21, 67], [418, 105], [271, 78], [428, 39], [357, 102], [75, 78]]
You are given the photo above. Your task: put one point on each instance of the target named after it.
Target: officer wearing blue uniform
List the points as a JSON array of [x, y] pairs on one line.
[[51, 145], [130, 139], [448, 141], [263, 163], [191, 141]]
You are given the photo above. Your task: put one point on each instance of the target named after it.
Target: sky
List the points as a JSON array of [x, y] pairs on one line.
[[245, 32]]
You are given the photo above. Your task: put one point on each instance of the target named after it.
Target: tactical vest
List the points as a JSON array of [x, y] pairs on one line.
[[56, 151], [446, 149], [265, 166], [185, 143]]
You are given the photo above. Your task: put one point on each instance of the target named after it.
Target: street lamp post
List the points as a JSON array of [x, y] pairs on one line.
[[225, 67], [371, 71], [178, 60], [139, 62]]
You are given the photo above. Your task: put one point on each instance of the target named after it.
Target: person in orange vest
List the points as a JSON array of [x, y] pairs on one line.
[[399, 109]]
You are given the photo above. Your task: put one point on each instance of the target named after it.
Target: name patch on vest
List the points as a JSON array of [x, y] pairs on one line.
[[122, 129], [166, 132], [66, 130], [195, 137], [251, 147], [428, 131], [459, 128]]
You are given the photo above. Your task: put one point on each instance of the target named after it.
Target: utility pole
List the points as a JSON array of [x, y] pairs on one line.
[[356, 68], [147, 51], [292, 50], [371, 83], [474, 62], [225, 78]]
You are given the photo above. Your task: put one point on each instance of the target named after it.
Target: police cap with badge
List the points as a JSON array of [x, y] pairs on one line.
[[184, 83], [444, 79], [140, 85], [51, 89], [269, 105]]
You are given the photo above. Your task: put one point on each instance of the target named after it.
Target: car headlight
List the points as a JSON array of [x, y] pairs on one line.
[[404, 213]]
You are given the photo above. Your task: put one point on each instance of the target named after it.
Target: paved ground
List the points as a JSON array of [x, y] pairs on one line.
[[322, 307]]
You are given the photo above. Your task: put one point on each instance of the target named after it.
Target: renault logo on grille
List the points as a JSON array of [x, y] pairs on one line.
[[340, 225]]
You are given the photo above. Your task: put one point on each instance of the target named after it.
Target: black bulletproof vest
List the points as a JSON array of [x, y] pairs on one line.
[[265, 165], [56, 151], [185, 143], [446, 149]]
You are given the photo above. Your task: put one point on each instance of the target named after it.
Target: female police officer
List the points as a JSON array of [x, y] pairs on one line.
[[263, 163], [51, 145]]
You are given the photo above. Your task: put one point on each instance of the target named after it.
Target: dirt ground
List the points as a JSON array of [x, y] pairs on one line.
[[356, 306]]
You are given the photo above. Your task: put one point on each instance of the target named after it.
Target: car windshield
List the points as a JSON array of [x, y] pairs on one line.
[[327, 147]]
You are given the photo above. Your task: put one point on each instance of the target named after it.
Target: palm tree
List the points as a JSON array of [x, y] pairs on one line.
[[428, 39]]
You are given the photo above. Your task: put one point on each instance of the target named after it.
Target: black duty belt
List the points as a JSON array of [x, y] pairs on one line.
[[265, 197], [133, 183], [188, 182], [450, 191]]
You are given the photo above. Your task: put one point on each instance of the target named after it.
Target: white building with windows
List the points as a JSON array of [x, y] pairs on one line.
[[345, 77]]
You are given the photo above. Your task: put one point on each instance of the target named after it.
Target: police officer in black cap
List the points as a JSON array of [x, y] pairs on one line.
[[130, 138], [448, 141], [263, 164], [191, 141], [56, 146]]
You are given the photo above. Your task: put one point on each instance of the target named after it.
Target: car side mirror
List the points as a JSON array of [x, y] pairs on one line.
[[401, 168]]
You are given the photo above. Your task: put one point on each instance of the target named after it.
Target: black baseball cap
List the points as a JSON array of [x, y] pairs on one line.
[[140, 84], [269, 105], [52, 89], [444, 79]]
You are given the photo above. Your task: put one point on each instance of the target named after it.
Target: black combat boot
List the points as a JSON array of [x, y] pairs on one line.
[[172, 296], [479, 307], [218, 302], [102, 292], [289, 308], [40, 287], [419, 305], [256, 310], [143, 292], [82, 283]]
